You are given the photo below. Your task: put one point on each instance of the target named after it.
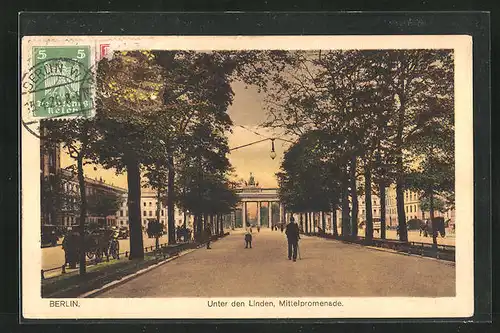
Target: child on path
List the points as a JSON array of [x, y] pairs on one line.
[[248, 238]]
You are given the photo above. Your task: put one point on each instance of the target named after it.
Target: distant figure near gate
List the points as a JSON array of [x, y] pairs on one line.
[[292, 235]]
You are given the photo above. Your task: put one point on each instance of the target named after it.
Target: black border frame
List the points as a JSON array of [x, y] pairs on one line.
[[475, 24]]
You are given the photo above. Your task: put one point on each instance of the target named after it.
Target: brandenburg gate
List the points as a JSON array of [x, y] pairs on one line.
[[251, 192]]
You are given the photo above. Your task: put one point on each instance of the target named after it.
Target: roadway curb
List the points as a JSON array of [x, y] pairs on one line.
[[129, 277], [448, 262]]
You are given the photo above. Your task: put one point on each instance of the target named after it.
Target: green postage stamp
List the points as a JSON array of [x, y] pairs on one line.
[[60, 82]]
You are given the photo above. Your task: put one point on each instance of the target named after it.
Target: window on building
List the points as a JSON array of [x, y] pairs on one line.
[[144, 204], [126, 212], [150, 213], [406, 209], [121, 222], [150, 204], [144, 213], [121, 213], [162, 212]]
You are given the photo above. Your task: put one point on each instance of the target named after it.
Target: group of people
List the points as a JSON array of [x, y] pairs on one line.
[[292, 233]]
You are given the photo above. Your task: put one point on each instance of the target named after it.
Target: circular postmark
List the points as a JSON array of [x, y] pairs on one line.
[[56, 89]]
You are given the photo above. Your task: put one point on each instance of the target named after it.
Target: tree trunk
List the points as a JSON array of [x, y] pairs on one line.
[[334, 222], [323, 221], [345, 209], [307, 223], [221, 224], [185, 219], [220, 231], [134, 209], [170, 198], [158, 203], [83, 215], [400, 204], [199, 227], [403, 232], [354, 197], [383, 224], [431, 213], [368, 205]]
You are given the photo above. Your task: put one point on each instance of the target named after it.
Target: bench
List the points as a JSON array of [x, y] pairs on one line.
[[173, 250], [391, 244]]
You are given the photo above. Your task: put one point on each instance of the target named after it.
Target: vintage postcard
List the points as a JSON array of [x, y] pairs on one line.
[[233, 177]]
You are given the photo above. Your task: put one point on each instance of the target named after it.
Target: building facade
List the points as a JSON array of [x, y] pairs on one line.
[[412, 208], [149, 204], [69, 214], [50, 164]]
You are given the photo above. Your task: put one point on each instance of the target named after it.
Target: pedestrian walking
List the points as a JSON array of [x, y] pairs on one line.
[[208, 235], [70, 247], [248, 239], [258, 228], [293, 236], [281, 227]]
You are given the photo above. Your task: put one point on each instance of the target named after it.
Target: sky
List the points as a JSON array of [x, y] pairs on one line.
[[248, 111]]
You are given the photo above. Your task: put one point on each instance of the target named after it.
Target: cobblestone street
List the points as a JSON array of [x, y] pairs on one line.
[[326, 268]]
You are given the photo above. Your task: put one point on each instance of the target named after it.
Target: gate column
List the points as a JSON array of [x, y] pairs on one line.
[[244, 214], [270, 214], [258, 213]]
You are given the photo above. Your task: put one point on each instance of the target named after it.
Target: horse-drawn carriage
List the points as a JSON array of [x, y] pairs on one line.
[[101, 243], [98, 243]]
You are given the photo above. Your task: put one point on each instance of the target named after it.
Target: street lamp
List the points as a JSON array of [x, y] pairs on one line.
[[273, 153]]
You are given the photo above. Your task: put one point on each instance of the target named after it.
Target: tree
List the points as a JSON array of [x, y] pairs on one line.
[[129, 87], [374, 99], [305, 181], [103, 203], [416, 79], [157, 178], [437, 204], [202, 185], [76, 137], [156, 229]]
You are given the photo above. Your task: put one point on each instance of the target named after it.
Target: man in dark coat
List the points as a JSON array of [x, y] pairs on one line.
[[292, 235], [70, 247]]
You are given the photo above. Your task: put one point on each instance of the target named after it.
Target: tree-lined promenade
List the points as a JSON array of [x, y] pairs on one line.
[[359, 120], [230, 270], [363, 121], [161, 116]]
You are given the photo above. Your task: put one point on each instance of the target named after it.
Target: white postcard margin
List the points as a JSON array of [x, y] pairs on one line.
[[462, 305]]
